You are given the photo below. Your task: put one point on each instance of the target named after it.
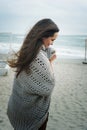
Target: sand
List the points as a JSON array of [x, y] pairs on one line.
[[68, 110]]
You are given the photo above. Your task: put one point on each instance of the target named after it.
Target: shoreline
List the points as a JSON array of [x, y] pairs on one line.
[[60, 59]]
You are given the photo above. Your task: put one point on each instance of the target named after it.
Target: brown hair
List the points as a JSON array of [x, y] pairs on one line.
[[32, 44]]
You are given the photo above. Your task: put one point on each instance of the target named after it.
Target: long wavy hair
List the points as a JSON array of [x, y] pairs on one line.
[[32, 45]]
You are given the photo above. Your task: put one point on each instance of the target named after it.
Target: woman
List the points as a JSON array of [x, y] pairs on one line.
[[29, 102]]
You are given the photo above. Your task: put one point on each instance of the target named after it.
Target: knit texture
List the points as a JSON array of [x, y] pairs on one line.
[[49, 52], [30, 99]]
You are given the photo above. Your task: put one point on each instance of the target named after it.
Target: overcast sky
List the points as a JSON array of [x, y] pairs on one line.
[[17, 16]]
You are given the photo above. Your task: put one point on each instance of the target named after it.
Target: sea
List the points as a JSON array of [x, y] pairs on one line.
[[66, 46]]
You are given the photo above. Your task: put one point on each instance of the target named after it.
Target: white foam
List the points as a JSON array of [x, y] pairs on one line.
[[61, 51], [69, 52], [6, 48]]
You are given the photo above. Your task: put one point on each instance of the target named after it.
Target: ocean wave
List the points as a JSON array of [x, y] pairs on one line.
[[61, 51]]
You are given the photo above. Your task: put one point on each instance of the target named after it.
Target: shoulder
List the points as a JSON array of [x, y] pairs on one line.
[[41, 62], [42, 57]]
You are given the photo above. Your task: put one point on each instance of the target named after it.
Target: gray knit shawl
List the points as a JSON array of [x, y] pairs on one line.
[[30, 99]]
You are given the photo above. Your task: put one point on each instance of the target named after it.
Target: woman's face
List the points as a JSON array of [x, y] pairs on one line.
[[49, 41]]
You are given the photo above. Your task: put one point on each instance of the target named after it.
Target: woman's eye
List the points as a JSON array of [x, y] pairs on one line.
[[52, 39]]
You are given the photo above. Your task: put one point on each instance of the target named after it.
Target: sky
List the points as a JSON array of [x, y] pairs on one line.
[[18, 16]]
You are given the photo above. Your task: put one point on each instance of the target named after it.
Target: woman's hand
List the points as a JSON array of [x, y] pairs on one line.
[[53, 57]]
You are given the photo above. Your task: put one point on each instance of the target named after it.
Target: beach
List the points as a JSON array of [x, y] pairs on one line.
[[68, 109]]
